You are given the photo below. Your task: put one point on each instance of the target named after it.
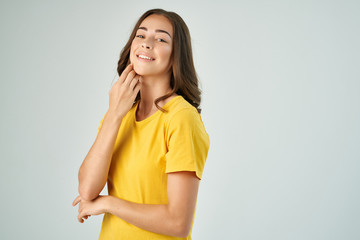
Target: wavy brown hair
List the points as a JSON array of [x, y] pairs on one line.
[[184, 79]]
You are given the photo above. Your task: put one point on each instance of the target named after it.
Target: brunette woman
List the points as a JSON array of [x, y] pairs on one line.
[[151, 145]]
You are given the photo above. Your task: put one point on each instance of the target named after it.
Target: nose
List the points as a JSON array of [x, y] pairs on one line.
[[146, 45]]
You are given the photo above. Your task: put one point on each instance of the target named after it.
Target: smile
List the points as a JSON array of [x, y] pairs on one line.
[[144, 57]]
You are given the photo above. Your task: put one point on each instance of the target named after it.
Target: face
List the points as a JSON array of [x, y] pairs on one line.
[[151, 48]]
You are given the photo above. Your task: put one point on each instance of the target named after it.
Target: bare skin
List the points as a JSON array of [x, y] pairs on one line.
[[152, 78], [155, 74]]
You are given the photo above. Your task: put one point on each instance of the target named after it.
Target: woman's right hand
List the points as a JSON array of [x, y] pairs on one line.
[[123, 93]]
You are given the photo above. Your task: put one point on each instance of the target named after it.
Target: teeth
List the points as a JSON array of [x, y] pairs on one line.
[[144, 57]]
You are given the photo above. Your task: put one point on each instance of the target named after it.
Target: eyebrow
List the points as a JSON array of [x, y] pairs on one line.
[[157, 30]]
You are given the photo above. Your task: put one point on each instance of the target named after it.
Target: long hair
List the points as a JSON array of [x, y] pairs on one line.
[[183, 79]]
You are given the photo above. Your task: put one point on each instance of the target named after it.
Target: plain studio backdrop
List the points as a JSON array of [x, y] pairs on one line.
[[281, 104]]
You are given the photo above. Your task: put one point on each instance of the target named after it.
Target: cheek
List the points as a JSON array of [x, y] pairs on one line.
[[166, 52], [132, 49]]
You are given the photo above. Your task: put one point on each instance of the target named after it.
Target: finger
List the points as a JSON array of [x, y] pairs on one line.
[[130, 77], [76, 201], [134, 81], [126, 72], [80, 218], [137, 88]]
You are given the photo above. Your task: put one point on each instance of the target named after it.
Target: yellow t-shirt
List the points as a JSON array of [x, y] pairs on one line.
[[144, 152]]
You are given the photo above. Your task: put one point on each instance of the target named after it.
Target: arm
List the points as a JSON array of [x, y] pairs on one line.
[[94, 170], [172, 219]]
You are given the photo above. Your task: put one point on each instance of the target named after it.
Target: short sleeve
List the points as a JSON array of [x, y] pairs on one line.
[[187, 141]]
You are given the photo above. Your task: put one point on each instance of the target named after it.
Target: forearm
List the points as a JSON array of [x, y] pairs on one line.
[[152, 217], [94, 170]]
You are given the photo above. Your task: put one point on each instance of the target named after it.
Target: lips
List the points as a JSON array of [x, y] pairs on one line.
[[144, 56]]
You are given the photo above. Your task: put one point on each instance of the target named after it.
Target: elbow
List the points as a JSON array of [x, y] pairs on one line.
[[185, 231], [182, 229], [181, 223], [183, 235], [89, 190], [87, 195]]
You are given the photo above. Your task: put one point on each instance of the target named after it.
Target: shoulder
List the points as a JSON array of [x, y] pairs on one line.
[[182, 111], [181, 108], [184, 117]]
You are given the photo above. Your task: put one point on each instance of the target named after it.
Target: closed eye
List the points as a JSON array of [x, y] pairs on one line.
[[161, 40]]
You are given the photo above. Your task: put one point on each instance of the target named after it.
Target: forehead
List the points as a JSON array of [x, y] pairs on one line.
[[155, 21]]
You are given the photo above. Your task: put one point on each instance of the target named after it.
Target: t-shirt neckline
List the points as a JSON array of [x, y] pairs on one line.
[[166, 105]]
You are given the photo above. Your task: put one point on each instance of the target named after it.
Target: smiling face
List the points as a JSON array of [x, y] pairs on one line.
[[152, 46]]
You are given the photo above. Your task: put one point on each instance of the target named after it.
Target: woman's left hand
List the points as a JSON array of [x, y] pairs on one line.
[[88, 208]]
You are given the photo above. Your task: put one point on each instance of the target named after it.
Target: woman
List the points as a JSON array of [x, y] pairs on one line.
[[151, 145]]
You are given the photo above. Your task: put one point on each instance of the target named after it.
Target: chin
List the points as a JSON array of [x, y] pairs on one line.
[[142, 70], [139, 70]]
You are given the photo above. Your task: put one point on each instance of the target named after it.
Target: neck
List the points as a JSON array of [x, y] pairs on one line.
[[152, 87]]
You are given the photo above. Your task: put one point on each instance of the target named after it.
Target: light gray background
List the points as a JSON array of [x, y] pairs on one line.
[[281, 103]]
